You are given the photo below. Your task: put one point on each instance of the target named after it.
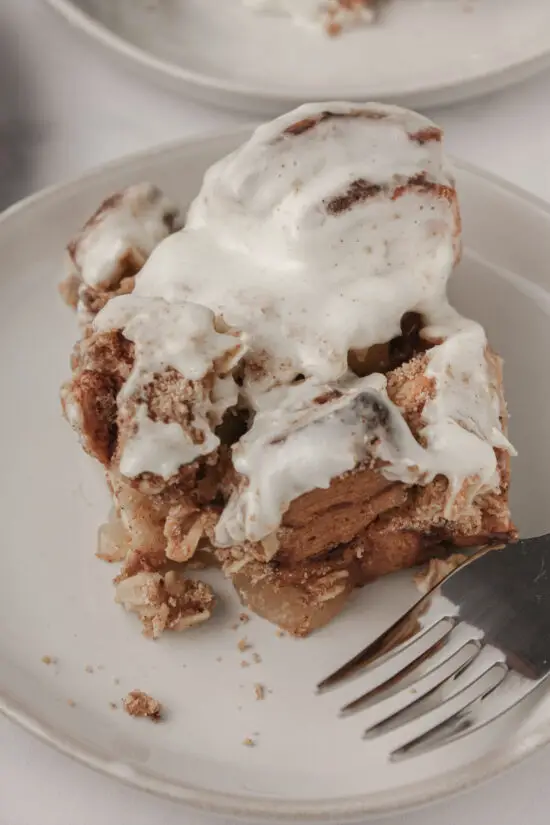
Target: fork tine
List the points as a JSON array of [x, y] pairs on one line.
[[466, 722], [448, 718], [405, 630], [400, 636], [408, 705], [389, 687]]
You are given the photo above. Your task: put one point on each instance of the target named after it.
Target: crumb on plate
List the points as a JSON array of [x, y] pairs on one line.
[[138, 703], [259, 691], [49, 660]]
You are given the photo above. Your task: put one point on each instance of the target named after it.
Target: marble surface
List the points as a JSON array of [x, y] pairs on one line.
[[65, 107]]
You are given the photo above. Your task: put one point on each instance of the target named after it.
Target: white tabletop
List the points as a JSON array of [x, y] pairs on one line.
[[66, 106]]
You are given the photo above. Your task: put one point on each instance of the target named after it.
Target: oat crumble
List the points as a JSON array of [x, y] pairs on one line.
[[138, 703]]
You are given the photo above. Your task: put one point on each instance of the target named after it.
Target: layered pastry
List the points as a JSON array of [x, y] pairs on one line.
[[281, 387], [331, 16]]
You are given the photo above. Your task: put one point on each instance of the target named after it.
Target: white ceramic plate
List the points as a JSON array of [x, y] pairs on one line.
[[56, 598], [421, 53]]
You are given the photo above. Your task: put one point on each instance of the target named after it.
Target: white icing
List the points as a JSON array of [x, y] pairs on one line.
[[461, 422], [275, 249], [132, 226], [316, 12], [262, 249], [295, 445], [163, 448], [182, 337]]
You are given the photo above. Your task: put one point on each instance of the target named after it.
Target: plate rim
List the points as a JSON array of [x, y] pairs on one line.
[[252, 98], [339, 809]]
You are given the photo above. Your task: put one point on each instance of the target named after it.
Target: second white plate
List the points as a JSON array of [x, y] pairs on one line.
[[421, 52], [56, 598]]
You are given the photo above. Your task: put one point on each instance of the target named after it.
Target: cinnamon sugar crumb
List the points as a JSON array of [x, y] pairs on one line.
[[256, 658], [89, 669], [280, 633], [249, 743], [49, 660], [113, 705], [259, 691], [138, 703], [71, 703], [244, 618], [244, 663], [243, 645]]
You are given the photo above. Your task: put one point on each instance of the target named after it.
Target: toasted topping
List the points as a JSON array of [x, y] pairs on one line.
[[165, 602], [138, 703]]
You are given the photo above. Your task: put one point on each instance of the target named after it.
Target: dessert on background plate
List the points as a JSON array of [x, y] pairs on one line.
[[281, 387], [269, 60], [331, 16]]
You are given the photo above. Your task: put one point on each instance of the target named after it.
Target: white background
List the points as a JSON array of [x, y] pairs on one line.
[[66, 106]]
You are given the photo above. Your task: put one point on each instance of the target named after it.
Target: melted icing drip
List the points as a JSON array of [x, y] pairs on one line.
[[181, 337]]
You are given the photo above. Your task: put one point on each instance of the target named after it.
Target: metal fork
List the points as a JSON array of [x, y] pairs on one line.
[[484, 631]]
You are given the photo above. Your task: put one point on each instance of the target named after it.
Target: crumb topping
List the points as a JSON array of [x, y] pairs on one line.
[[165, 601], [138, 703]]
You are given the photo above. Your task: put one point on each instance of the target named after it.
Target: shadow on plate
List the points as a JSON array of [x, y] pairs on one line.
[[19, 136]]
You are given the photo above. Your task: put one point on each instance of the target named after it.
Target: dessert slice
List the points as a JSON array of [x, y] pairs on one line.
[[282, 388]]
